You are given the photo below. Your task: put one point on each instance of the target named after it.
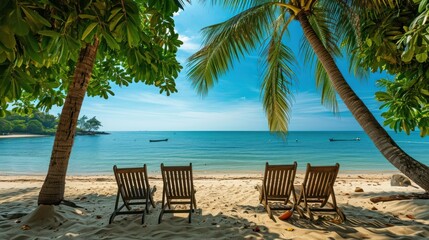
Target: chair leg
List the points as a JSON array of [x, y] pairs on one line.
[[162, 208], [298, 206], [147, 201], [341, 214], [310, 215], [337, 209], [116, 208], [160, 214], [143, 215], [268, 209], [112, 217], [190, 212]]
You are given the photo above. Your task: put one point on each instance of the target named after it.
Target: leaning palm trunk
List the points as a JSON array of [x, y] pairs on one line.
[[413, 169], [52, 191]]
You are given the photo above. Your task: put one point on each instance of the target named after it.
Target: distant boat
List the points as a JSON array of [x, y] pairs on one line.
[[159, 140], [338, 140]]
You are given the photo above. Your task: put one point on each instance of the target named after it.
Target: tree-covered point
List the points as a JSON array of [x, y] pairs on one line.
[[37, 123], [44, 123], [87, 126]]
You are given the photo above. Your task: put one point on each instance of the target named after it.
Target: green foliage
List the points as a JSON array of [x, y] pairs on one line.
[[19, 128], [40, 42], [396, 40], [81, 122], [34, 126], [93, 124], [38, 122], [88, 125], [5, 126]]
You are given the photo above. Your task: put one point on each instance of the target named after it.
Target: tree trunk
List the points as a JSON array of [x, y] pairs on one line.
[[412, 168], [52, 191]]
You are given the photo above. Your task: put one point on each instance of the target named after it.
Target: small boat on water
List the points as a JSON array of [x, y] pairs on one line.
[[158, 140], [339, 140]]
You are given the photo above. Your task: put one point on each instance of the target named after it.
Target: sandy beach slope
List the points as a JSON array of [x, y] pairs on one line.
[[228, 208], [22, 136]]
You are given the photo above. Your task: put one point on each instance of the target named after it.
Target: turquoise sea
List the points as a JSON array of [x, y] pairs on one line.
[[208, 151]]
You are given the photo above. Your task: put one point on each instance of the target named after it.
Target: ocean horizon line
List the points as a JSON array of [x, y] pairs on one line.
[[210, 151]]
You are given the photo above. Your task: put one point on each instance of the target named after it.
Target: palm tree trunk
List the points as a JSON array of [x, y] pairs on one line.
[[52, 191], [416, 171]]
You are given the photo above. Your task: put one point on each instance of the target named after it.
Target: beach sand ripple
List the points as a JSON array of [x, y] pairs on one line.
[[228, 208]]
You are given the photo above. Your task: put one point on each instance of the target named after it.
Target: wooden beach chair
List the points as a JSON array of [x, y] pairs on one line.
[[134, 189], [178, 189], [277, 186], [317, 187]]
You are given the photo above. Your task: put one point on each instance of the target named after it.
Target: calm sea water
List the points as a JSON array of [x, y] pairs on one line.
[[208, 151]]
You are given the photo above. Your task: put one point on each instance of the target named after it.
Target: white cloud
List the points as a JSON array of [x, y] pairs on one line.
[[153, 99], [190, 44], [160, 114], [177, 13]]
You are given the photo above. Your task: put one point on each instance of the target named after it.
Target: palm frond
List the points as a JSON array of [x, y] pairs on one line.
[[347, 14], [225, 42], [324, 85], [374, 5], [277, 79], [181, 3], [324, 26], [237, 5]]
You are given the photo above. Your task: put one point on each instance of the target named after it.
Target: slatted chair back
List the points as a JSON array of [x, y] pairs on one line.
[[132, 182], [278, 180], [319, 181], [178, 181]]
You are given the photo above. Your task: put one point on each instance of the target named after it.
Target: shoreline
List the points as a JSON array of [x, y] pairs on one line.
[[106, 178], [23, 135], [203, 174]]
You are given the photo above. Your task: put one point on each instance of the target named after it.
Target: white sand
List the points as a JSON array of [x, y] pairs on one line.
[[22, 135], [228, 208]]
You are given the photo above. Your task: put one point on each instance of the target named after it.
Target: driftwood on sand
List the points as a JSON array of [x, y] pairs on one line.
[[400, 197]]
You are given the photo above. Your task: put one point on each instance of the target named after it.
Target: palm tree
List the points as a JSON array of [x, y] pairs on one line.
[[325, 23], [53, 188]]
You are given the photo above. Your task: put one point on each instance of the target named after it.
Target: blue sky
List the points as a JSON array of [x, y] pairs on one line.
[[233, 104]]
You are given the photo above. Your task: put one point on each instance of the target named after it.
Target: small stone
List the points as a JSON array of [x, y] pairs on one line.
[[25, 227], [400, 180], [358, 189]]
